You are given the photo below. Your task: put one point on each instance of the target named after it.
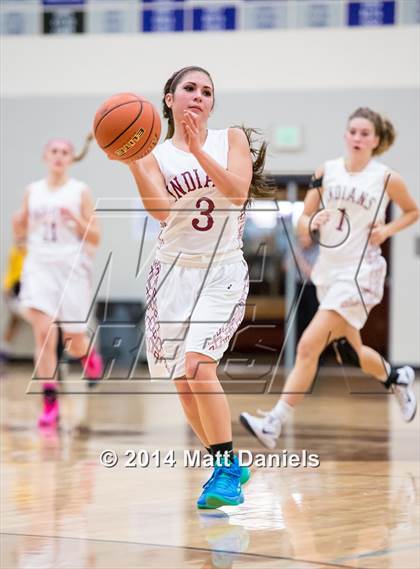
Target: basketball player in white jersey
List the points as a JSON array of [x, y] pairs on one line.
[[197, 184], [57, 221], [352, 194]]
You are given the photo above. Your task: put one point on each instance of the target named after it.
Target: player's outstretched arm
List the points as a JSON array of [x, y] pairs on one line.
[[151, 186]]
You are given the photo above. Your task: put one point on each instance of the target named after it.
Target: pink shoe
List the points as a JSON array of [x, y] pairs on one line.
[[50, 414], [93, 366]]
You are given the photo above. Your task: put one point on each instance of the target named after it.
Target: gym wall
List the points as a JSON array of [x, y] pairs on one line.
[[51, 86]]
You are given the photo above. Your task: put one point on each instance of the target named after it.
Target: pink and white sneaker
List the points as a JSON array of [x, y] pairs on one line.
[[50, 413], [93, 367]]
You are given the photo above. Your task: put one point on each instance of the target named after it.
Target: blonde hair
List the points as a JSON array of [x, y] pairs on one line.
[[384, 129], [85, 148]]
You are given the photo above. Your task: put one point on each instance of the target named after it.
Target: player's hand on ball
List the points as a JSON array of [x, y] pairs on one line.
[[127, 162], [115, 158], [379, 234]]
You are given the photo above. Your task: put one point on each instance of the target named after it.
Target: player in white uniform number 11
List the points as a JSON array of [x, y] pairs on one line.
[[352, 194], [197, 184], [58, 223]]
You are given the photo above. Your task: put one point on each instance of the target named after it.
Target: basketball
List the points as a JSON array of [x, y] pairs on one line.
[[126, 126]]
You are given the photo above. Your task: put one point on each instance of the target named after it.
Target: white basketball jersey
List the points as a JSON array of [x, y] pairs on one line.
[[203, 224], [49, 235], [355, 201]]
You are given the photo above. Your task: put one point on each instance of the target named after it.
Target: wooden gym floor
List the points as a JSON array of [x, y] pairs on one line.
[[62, 509]]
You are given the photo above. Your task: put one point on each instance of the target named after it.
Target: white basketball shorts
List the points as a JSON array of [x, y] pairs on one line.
[[59, 289], [192, 310], [353, 297]]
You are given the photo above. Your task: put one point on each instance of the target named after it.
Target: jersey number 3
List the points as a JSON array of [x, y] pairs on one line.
[[209, 221]]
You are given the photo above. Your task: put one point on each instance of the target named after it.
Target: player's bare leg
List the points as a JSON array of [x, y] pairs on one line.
[[190, 406], [77, 344], [224, 486], [46, 337], [399, 380], [371, 362], [11, 328], [325, 326], [211, 400]]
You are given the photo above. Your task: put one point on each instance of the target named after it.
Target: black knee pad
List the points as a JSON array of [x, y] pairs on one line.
[[346, 353]]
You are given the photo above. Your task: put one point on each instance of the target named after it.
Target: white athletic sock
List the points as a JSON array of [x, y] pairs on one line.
[[282, 411]]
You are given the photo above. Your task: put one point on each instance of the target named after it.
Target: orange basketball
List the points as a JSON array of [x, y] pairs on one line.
[[127, 125]]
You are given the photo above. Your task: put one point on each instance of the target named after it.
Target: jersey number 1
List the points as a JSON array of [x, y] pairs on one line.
[[206, 213], [50, 231], [340, 223]]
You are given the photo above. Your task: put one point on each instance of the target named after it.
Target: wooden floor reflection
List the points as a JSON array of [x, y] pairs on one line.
[[62, 509]]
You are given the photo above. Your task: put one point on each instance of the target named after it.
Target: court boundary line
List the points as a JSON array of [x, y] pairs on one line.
[[185, 547]]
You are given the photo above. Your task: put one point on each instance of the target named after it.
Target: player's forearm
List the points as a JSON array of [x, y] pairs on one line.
[[20, 228], [303, 226], [87, 231], [406, 219], [234, 187], [20, 233], [156, 203]]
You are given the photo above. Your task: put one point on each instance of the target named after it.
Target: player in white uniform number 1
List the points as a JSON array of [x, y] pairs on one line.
[[352, 194], [57, 221], [197, 184]]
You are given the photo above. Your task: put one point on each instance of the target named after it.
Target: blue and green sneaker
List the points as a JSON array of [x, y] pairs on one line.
[[225, 488], [201, 502]]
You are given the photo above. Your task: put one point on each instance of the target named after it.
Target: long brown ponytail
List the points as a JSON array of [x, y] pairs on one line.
[[258, 187]]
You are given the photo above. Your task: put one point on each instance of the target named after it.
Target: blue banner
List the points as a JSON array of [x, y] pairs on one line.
[[371, 13], [214, 18], [163, 20], [63, 2]]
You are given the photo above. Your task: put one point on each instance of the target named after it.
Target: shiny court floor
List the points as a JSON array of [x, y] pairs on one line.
[[62, 509]]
